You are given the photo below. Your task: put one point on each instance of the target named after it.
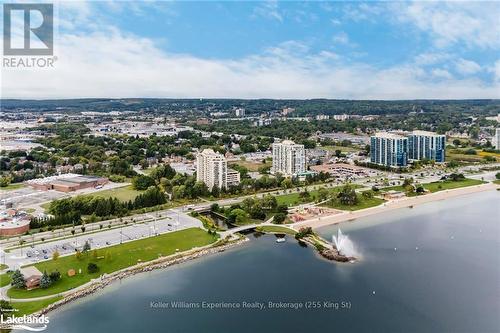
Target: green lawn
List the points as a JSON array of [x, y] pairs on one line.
[[26, 308], [115, 258], [448, 184], [276, 229], [398, 188], [252, 166], [46, 206], [497, 181], [293, 199], [124, 193], [362, 204], [11, 187], [341, 148], [3, 266], [439, 185], [4, 279]]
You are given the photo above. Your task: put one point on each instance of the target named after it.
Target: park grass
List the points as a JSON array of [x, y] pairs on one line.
[[46, 206], [252, 166], [438, 186], [341, 148], [276, 229], [11, 187], [124, 193], [114, 258], [4, 279], [362, 204], [497, 181], [449, 184], [3, 266], [293, 199], [398, 188], [26, 308]]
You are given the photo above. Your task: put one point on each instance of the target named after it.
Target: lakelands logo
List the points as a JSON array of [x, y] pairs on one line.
[[28, 35], [28, 323]]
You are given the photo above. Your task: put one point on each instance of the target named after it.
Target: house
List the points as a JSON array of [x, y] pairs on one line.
[[32, 276]]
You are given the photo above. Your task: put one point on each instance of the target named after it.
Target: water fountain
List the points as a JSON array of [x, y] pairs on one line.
[[344, 245]]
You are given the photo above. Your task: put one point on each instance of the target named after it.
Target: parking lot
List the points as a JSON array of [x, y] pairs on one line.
[[173, 220]]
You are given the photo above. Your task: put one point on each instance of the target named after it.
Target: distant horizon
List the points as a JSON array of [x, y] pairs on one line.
[[246, 99]]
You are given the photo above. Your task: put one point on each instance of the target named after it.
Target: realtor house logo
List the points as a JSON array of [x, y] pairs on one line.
[[28, 34]]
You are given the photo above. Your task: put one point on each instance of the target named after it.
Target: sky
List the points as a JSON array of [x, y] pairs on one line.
[[268, 49]]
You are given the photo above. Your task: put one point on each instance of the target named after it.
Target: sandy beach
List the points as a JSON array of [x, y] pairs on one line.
[[393, 204]]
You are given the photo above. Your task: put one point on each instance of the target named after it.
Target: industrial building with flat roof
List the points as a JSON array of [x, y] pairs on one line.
[[66, 182]]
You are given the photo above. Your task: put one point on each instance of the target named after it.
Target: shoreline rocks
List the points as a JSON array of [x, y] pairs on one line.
[[137, 269]]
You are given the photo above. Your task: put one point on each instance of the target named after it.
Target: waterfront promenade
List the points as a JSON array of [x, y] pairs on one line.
[[391, 205]]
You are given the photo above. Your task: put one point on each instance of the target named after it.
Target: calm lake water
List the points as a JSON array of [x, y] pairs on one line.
[[451, 283]]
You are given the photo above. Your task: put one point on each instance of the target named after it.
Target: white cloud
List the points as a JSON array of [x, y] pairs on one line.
[[474, 24], [441, 73], [269, 10], [467, 67], [335, 21], [496, 70], [432, 58], [114, 64], [341, 38]]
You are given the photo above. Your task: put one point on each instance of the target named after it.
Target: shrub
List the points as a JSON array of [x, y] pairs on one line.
[[92, 268], [55, 276]]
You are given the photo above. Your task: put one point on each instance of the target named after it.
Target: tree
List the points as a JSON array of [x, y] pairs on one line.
[[92, 268], [347, 196], [286, 183], [4, 181], [55, 276], [17, 280], [456, 142], [323, 194], [55, 255], [6, 309], [142, 182], [86, 246], [45, 281], [407, 182], [279, 218], [497, 175], [367, 194], [238, 216]]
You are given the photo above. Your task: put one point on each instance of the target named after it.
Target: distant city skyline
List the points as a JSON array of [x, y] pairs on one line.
[[269, 49]]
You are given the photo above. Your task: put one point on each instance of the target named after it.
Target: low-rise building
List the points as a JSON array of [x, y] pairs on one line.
[[67, 182], [14, 222], [341, 170]]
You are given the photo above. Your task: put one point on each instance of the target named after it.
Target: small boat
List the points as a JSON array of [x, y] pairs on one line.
[[280, 239]]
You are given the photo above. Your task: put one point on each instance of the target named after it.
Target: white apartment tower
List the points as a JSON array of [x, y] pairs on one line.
[[496, 139], [211, 168], [289, 158]]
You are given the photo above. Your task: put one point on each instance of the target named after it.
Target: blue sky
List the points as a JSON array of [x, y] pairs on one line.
[[382, 50]]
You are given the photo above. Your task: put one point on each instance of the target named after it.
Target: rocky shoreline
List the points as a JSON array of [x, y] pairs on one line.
[[140, 268]]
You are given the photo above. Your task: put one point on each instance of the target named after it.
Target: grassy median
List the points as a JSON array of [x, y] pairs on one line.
[[114, 258], [26, 308]]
